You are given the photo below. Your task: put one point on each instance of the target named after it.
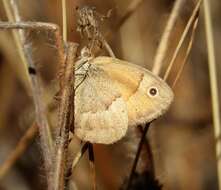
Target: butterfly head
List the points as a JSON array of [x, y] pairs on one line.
[[159, 96]]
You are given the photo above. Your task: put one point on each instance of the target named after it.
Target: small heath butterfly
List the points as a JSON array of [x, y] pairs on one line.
[[113, 94]]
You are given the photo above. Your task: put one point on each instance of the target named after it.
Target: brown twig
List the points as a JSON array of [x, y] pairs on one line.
[[92, 165], [65, 119], [163, 46], [18, 151], [137, 155]]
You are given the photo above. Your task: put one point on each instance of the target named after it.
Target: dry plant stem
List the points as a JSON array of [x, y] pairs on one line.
[[213, 85], [36, 87], [187, 53], [164, 42], [44, 27], [40, 109], [37, 92], [92, 165], [18, 44], [64, 20], [108, 48], [65, 119], [18, 151], [184, 34], [79, 155], [142, 140]]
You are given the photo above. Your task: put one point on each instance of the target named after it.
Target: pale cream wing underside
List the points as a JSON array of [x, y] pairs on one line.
[[100, 111], [133, 82]]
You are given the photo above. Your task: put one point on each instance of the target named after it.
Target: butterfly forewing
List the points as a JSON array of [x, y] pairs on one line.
[[134, 83]]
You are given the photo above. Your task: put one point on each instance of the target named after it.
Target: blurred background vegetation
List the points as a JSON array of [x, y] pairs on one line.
[[182, 141]]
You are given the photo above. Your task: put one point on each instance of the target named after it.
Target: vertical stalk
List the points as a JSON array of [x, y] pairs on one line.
[[142, 140], [213, 85], [64, 20], [65, 119]]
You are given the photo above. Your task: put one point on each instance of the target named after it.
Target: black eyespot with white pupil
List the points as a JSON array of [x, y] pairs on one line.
[[153, 91]]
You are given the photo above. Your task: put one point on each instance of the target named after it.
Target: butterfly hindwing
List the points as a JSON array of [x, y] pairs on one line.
[[100, 111]]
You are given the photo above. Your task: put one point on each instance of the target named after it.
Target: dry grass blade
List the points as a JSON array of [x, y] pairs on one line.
[[163, 46], [187, 53], [64, 20], [65, 119], [184, 34], [213, 85], [18, 44], [18, 151], [37, 93]]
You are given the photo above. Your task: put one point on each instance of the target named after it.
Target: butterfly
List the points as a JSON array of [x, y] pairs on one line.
[[114, 95]]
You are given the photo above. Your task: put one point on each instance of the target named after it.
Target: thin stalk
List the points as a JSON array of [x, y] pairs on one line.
[[65, 119], [18, 44], [164, 42], [37, 87], [108, 48], [64, 20], [44, 27], [184, 34], [37, 92], [213, 85], [149, 154], [19, 150], [142, 140], [187, 53]]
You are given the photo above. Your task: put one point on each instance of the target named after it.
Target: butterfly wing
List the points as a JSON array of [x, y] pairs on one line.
[[134, 83], [100, 111]]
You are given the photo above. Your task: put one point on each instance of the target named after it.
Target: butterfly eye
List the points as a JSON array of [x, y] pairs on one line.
[[153, 91]]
